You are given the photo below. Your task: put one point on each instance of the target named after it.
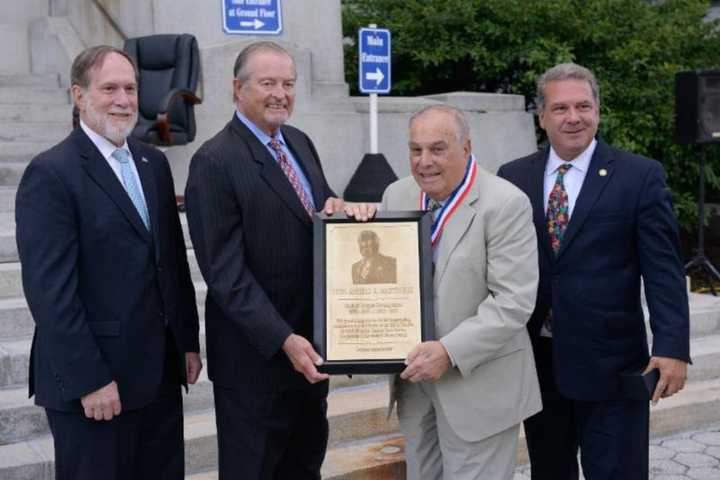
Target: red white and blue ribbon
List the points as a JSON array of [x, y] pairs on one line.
[[452, 202]]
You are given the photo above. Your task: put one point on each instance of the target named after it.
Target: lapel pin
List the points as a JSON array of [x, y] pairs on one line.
[[602, 172], [145, 160]]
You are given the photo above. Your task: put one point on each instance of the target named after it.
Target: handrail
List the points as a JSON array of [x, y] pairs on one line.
[[110, 19]]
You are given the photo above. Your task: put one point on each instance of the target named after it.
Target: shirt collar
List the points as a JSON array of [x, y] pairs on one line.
[[580, 163], [106, 147], [262, 136]]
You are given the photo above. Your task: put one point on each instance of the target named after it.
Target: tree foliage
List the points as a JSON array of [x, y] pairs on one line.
[[634, 47]]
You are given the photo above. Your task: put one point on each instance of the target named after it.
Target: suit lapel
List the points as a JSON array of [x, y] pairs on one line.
[[99, 170], [149, 186], [455, 228], [592, 187], [271, 172], [536, 192]]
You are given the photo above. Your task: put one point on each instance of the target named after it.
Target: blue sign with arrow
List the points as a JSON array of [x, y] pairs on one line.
[[252, 17], [374, 57]]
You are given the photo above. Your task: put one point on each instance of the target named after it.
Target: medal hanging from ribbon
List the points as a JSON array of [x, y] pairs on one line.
[[452, 202]]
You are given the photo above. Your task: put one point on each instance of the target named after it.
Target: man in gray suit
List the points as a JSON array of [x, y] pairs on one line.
[[461, 398]]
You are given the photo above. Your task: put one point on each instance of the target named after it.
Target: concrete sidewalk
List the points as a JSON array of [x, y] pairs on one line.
[[692, 455]]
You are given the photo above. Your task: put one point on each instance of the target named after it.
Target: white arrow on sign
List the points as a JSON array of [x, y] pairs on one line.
[[255, 24], [377, 75]]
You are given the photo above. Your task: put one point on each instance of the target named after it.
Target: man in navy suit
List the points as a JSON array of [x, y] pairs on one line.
[[604, 219], [252, 191], [106, 277]]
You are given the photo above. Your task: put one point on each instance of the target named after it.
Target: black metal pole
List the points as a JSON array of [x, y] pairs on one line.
[[701, 203]]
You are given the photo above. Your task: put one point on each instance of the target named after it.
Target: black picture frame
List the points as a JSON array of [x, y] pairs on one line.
[[361, 365]]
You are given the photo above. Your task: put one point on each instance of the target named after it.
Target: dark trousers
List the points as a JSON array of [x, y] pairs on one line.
[[271, 436], [142, 444], [612, 436]]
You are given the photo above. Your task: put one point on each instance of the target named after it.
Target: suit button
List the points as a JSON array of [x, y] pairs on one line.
[[159, 269], [161, 314]]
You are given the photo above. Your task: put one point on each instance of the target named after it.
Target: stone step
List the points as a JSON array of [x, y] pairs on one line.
[[29, 80], [7, 204], [22, 152], [349, 413], [11, 277], [14, 361], [16, 325], [11, 171], [16, 321], [34, 131], [10, 280], [24, 114], [384, 458], [21, 419], [15, 318], [34, 96], [14, 46], [25, 11], [375, 458], [705, 354], [8, 245]]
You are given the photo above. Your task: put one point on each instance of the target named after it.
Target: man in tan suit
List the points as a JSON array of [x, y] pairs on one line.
[[461, 399]]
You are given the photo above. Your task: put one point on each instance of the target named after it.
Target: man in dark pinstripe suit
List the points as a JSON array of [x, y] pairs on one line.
[[251, 191]]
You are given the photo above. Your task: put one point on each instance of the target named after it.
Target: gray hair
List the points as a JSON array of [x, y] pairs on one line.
[[240, 70], [92, 58], [462, 129], [565, 71]]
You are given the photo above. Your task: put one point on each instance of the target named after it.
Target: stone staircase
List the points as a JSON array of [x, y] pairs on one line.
[[35, 113], [364, 444]]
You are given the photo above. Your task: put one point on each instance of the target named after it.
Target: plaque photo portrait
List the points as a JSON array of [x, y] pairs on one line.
[[374, 293]]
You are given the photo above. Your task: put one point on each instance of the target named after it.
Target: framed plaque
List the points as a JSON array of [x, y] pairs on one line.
[[373, 290]]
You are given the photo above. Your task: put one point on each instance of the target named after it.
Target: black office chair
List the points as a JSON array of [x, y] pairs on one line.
[[169, 68]]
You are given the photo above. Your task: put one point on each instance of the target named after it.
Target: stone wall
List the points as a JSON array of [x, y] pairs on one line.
[[338, 123]]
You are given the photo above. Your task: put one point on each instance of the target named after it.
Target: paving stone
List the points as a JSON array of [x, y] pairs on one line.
[[660, 453], [713, 451], [667, 467], [696, 460], [704, 473], [684, 445], [669, 477], [708, 438]]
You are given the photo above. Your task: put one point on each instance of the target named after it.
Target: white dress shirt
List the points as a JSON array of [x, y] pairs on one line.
[[572, 181], [573, 178], [106, 149]]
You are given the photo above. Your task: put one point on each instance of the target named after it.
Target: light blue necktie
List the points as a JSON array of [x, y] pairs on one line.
[[131, 185]]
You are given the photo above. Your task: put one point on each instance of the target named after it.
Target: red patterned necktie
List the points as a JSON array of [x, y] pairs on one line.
[[291, 175], [557, 211]]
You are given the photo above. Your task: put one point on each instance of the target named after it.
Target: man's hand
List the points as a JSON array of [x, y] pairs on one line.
[[102, 404], [193, 366], [673, 373], [427, 362], [333, 204], [362, 212], [304, 358]]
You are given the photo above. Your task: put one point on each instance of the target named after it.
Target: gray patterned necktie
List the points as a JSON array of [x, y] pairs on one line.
[[131, 185]]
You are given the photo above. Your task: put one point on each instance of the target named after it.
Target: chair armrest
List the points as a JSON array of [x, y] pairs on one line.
[[162, 123]]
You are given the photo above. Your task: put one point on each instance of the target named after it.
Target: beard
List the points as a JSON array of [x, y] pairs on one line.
[[115, 131]]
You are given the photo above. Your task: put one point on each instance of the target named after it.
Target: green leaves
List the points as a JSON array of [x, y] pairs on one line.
[[635, 48]]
